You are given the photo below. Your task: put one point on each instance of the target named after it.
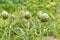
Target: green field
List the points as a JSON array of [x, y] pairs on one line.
[[29, 19]]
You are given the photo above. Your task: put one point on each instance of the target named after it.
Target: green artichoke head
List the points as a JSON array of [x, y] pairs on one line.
[[4, 14], [44, 17], [26, 15]]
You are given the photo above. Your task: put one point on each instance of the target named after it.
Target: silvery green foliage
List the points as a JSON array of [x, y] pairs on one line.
[[4, 14], [43, 16]]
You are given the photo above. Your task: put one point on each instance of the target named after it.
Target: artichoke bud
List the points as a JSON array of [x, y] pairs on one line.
[[44, 17], [4, 15], [12, 17], [26, 15]]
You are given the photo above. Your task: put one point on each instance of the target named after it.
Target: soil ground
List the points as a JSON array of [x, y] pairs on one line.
[[50, 38]]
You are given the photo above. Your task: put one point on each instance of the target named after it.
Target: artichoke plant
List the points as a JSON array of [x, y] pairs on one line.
[[44, 17], [4, 14], [12, 18], [26, 15]]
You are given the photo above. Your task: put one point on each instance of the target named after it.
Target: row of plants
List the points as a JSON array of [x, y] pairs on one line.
[[19, 19]]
